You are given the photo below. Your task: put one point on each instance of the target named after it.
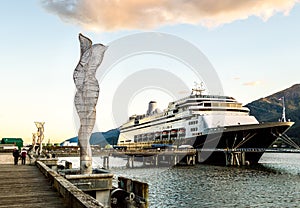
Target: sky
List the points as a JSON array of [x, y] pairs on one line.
[[253, 45]]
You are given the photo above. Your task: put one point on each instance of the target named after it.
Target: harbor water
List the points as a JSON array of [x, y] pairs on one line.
[[275, 182]]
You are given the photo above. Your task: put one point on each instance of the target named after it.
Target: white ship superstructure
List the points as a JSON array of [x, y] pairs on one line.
[[208, 123], [188, 117]]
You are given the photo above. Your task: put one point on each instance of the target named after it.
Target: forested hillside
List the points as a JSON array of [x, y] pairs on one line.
[[270, 108]]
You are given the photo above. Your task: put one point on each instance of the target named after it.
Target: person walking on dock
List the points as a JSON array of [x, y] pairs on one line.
[[16, 155], [23, 156]]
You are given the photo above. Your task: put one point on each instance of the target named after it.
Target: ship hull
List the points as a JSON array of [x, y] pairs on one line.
[[219, 144]]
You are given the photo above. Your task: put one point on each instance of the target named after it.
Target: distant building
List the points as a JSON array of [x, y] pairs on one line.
[[15, 141], [70, 142]]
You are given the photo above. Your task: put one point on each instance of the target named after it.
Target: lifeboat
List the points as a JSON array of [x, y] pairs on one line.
[[174, 132], [165, 133], [182, 131], [157, 135]]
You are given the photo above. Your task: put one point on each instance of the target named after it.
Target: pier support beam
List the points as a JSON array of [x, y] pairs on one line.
[[243, 158], [175, 159], [156, 160], [235, 158], [227, 158], [190, 159], [130, 161], [198, 153], [144, 161], [106, 162]]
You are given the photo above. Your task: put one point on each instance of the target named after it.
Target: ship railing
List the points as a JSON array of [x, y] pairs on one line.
[[161, 151]]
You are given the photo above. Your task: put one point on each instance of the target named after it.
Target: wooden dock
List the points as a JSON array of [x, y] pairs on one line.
[[25, 186]]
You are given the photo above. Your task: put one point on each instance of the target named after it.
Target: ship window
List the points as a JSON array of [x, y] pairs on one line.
[[207, 104], [193, 122], [194, 129]]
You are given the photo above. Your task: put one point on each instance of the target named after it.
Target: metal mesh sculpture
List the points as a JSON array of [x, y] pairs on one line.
[[86, 96], [33, 140], [40, 134]]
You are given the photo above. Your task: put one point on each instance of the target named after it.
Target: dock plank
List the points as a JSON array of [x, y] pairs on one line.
[[25, 186]]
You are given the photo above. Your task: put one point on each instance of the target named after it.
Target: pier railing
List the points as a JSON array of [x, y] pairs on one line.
[[73, 196]]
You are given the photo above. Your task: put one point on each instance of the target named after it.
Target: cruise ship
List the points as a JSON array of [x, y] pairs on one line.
[[211, 124]]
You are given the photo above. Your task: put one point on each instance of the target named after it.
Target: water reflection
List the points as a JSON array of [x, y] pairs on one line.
[[273, 183]]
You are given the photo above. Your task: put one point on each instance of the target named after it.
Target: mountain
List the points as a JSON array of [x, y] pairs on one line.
[[103, 138], [270, 109], [98, 138]]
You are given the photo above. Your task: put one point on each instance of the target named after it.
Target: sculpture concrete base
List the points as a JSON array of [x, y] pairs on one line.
[[86, 166], [97, 185]]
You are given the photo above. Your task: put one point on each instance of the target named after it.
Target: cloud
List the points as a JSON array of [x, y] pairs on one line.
[[183, 92], [254, 83], [112, 15]]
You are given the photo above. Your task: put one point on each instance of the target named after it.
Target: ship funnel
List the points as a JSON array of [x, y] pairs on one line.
[[152, 107]]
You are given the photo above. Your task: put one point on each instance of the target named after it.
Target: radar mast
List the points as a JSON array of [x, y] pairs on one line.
[[198, 89], [283, 118]]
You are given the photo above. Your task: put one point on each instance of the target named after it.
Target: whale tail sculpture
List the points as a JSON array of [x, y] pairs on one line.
[[86, 96]]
